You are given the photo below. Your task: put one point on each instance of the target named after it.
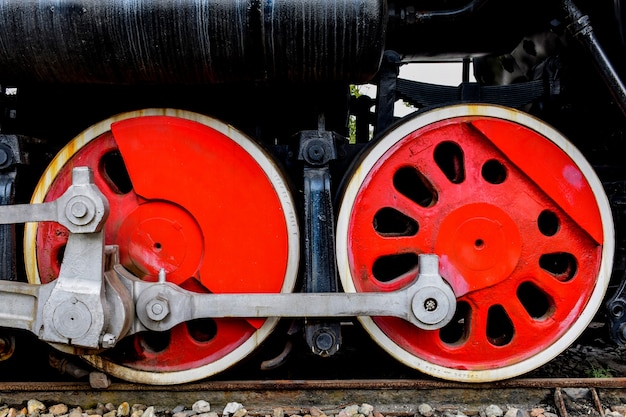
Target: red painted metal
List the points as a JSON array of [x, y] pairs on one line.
[[495, 248], [201, 208]]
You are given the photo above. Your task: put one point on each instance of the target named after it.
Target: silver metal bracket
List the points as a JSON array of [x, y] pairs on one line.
[[73, 309]]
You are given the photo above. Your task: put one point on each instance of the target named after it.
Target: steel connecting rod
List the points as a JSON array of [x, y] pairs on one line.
[[95, 301], [429, 303]]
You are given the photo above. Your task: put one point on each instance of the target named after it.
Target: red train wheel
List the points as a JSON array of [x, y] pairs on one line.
[[190, 195], [518, 218]]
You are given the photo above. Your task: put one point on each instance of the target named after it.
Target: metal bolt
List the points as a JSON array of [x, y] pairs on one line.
[[157, 308], [324, 341], [316, 152], [79, 209]]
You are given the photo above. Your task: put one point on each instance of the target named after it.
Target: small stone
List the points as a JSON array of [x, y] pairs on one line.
[[240, 413], [619, 408], [123, 410], [12, 412], [231, 408], [110, 407], [35, 406], [76, 412], [535, 412], [278, 412], [425, 410], [515, 412], [110, 414], [366, 409], [180, 414], [136, 413], [548, 414], [349, 411], [178, 409], [4, 412], [210, 414], [58, 409], [201, 406], [148, 412], [315, 412], [494, 411]]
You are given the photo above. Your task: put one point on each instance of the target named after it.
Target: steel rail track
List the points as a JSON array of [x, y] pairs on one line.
[[391, 397]]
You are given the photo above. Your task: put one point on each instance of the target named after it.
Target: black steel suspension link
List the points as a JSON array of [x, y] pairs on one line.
[[317, 149]]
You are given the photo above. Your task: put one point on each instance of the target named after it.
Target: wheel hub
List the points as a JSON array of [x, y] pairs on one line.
[[482, 243], [159, 235]]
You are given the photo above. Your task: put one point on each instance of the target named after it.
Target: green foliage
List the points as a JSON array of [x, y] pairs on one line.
[[354, 91], [595, 372]]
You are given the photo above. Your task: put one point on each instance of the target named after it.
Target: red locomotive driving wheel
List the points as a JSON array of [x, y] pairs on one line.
[[196, 199], [520, 223]]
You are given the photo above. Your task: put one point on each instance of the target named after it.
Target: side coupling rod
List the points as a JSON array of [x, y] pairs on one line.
[[95, 301]]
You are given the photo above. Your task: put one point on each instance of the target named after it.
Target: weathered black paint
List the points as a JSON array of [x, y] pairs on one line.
[[190, 41]]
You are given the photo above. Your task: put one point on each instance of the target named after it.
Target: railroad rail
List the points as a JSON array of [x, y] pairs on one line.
[[390, 397]]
